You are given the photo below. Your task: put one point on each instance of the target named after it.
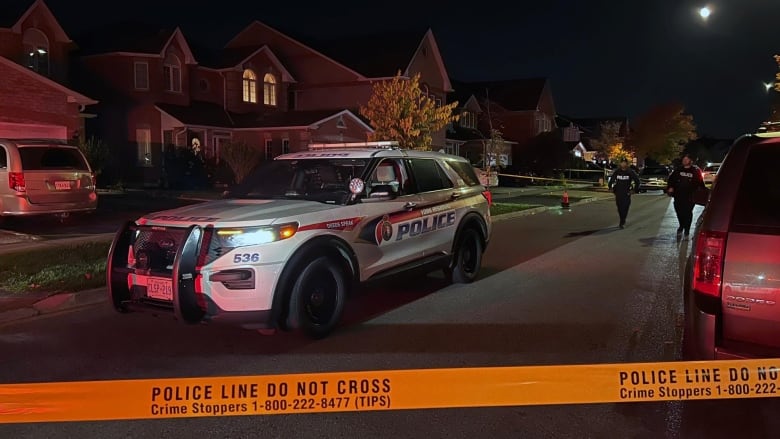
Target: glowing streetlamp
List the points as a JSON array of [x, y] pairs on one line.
[[768, 86], [705, 12]]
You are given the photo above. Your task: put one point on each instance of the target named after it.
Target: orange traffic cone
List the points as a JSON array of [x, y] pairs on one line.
[[565, 200]]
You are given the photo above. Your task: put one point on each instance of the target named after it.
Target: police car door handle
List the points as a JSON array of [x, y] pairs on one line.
[[410, 205]]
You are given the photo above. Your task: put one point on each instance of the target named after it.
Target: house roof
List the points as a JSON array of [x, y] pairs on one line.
[[208, 114], [223, 58], [72, 95], [229, 58], [379, 55], [199, 113], [12, 11], [513, 94], [128, 36], [457, 132]]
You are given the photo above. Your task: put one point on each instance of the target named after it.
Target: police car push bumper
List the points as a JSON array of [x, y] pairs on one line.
[[186, 304]]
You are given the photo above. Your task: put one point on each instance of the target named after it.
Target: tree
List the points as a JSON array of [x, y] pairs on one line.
[[495, 148], [97, 153], [609, 144], [661, 133], [399, 111], [241, 157]]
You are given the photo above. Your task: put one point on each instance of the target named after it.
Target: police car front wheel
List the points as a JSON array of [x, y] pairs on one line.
[[317, 297]]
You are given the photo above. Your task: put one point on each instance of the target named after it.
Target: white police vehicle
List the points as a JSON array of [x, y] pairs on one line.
[[286, 246]]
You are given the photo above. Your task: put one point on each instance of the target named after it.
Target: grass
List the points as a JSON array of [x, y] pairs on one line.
[[67, 268], [502, 208]]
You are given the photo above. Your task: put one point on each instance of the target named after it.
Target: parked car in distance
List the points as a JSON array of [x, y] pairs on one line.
[[44, 177], [710, 172], [732, 280], [653, 178]]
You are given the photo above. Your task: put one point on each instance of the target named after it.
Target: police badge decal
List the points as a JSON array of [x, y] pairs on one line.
[[384, 230]]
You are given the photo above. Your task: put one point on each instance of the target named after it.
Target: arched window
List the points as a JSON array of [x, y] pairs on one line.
[[269, 89], [172, 73], [36, 49], [250, 86]]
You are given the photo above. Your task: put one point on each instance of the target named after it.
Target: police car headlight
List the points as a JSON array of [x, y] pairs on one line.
[[248, 236]]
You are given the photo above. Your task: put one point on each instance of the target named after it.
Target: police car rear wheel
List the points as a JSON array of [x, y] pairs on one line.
[[318, 297], [468, 257]]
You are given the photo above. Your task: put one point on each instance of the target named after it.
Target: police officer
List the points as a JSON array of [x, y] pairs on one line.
[[682, 184], [621, 183]]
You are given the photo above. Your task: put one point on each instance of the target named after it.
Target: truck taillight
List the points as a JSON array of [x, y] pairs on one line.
[[489, 197], [708, 263], [16, 181]]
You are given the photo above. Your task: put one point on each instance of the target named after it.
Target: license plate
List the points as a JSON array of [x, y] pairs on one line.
[[62, 185], [161, 289]]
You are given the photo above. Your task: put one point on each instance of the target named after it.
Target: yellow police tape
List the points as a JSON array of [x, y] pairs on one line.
[[388, 390]]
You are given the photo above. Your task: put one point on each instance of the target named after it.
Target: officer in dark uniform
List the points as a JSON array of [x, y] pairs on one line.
[[682, 184], [621, 183]]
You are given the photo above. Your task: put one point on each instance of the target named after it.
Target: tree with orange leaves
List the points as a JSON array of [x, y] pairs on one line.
[[399, 111]]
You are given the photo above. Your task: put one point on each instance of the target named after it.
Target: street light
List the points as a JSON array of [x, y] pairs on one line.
[[705, 12], [768, 86]]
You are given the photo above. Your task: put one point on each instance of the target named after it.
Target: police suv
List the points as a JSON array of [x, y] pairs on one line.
[[284, 248]]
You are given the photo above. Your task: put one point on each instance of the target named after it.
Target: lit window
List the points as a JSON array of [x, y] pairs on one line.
[[36, 49], [143, 138], [269, 89], [250, 86]]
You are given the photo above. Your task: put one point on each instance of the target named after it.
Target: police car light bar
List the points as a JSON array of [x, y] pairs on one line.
[[390, 144]]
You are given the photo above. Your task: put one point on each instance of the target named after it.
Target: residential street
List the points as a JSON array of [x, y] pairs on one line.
[[557, 288]]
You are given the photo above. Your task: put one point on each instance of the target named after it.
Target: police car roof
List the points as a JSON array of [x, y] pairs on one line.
[[357, 153]]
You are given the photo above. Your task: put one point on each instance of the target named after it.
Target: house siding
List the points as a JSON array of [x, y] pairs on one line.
[[27, 100]]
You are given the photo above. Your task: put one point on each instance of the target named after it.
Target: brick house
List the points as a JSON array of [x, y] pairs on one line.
[[337, 73], [468, 137], [34, 59], [263, 87], [521, 109], [589, 129]]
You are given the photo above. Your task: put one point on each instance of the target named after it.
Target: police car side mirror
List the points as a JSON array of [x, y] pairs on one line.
[[701, 196], [383, 191]]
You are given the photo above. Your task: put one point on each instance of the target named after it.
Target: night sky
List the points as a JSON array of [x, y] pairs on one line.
[[604, 58]]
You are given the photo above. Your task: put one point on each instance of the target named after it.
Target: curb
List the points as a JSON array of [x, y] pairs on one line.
[[54, 304], [535, 210]]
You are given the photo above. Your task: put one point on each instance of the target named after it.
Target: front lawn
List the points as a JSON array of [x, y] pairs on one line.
[[56, 269], [502, 208]]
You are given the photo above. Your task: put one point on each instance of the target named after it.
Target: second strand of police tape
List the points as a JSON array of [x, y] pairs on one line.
[[387, 390]]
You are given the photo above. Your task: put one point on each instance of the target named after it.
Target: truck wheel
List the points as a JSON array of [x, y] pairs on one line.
[[317, 298], [467, 258]]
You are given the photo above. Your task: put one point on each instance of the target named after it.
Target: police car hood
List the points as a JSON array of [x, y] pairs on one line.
[[235, 213]]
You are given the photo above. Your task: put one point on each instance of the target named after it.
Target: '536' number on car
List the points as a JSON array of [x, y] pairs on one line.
[[246, 257]]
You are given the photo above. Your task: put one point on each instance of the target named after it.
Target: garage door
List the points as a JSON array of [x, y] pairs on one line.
[[32, 131]]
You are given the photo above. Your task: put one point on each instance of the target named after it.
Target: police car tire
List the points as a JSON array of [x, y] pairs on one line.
[[301, 293], [469, 238]]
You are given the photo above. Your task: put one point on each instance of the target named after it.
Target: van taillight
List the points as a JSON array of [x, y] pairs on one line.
[[489, 197], [708, 263], [16, 181]]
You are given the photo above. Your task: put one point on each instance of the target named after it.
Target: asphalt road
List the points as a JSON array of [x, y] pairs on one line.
[[557, 288]]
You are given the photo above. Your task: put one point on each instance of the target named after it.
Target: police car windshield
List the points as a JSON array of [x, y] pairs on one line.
[[322, 180]]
